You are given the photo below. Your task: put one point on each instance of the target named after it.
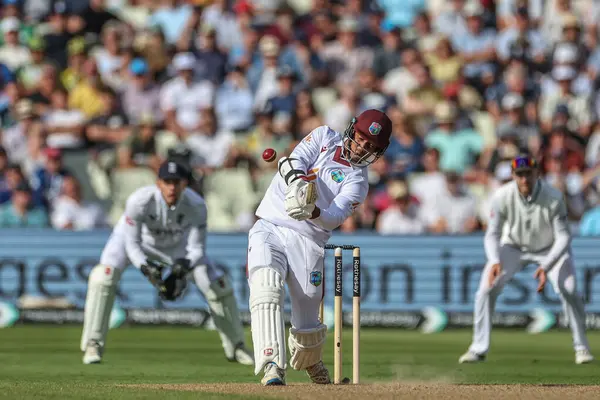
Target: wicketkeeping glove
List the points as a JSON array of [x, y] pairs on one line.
[[176, 282], [300, 198], [152, 271]]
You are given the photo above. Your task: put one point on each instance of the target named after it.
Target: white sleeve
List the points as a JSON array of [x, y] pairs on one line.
[[167, 98], [343, 205], [196, 238], [61, 215], [493, 233], [303, 156], [207, 94], [562, 237], [134, 213]]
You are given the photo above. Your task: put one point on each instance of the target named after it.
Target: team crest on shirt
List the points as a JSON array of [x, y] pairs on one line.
[[375, 128], [338, 175], [316, 278]]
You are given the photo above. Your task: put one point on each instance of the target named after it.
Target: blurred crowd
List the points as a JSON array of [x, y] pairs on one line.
[[96, 93]]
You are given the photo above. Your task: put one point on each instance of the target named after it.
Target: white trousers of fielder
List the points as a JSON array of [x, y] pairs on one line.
[[562, 278]]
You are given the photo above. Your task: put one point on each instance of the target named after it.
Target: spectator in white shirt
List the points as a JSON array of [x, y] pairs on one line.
[[12, 53], [451, 21], [456, 212], [182, 98], [63, 125], [217, 15], [429, 186], [267, 85], [343, 57], [402, 217], [108, 57], [209, 146], [339, 113], [580, 111], [70, 212], [14, 139]]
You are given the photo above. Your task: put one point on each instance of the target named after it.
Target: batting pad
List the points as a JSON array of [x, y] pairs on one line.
[[102, 287], [306, 346], [225, 314], [266, 308]]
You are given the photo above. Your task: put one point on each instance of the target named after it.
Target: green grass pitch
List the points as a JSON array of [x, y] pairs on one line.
[[45, 362]]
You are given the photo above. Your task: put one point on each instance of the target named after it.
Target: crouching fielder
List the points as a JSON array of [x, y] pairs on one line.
[[316, 189], [162, 220], [527, 225]]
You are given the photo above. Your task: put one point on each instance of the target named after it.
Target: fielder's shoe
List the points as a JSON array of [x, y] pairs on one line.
[[471, 358], [583, 357], [318, 374], [274, 376], [93, 353], [242, 355]]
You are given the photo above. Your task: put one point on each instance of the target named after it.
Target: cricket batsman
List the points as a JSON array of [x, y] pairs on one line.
[[316, 188], [163, 229], [528, 224]]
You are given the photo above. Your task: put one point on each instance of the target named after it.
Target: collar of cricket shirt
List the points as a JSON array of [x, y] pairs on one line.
[[175, 206], [534, 193]]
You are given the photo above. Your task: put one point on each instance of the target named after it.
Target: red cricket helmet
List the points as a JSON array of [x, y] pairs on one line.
[[373, 125]]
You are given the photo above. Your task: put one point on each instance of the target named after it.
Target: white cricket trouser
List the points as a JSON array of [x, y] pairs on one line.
[[298, 260], [512, 260], [115, 255]]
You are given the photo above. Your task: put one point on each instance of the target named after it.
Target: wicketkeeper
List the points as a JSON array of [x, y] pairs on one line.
[[162, 220]]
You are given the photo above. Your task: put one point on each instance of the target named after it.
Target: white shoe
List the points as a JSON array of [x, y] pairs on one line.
[[274, 376], [243, 355], [318, 374], [583, 357], [471, 358], [93, 353]]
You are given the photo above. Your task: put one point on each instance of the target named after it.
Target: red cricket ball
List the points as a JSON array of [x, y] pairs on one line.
[[269, 155]]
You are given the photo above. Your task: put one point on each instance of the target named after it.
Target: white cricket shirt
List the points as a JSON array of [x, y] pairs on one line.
[[340, 186], [534, 225], [148, 220]]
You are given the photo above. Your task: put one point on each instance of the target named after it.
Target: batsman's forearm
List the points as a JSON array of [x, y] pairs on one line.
[[290, 169], [330, 218]]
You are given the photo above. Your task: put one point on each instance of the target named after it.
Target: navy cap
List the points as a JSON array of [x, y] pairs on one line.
[[171, 170]]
